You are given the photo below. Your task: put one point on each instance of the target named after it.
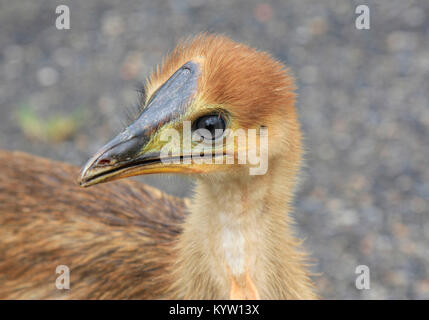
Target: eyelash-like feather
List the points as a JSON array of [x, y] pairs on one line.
[[133, 111], [141, 90]]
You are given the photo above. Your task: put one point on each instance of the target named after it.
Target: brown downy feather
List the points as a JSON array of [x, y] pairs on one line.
[[116, 239], [126, 240], [252, 83]]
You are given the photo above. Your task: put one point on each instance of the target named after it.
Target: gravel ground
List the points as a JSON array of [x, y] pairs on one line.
[[363, 103]]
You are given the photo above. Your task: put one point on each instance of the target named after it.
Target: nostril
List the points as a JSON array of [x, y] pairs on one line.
[[103, 162]]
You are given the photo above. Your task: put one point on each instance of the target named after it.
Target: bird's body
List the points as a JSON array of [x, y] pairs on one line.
[[116, 239], [125, 240]]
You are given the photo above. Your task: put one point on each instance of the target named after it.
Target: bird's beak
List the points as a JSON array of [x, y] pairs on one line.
[[136, 151]]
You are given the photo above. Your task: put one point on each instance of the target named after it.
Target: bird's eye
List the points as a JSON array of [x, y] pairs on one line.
[[210, 127]]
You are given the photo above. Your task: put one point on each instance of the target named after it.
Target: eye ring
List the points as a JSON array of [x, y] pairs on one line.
[[210, 127]]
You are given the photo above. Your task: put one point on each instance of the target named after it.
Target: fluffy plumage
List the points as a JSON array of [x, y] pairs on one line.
[[116, 239], [251, 83], [126, 240]]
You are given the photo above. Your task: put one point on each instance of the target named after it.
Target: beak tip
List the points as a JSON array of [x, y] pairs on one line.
[[85, 172], [82, 179], [83, 183]]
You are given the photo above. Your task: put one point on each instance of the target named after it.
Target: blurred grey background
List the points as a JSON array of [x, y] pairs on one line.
[[363, 103]]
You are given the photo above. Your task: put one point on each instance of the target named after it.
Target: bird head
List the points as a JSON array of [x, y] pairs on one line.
[[210, 106]]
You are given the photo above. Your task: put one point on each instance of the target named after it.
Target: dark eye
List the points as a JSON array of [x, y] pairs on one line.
[[214, 124]]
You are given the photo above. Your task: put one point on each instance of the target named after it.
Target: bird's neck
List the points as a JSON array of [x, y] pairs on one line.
[[237, 241]]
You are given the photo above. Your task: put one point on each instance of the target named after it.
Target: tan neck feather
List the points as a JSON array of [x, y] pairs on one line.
[[238, 243]]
